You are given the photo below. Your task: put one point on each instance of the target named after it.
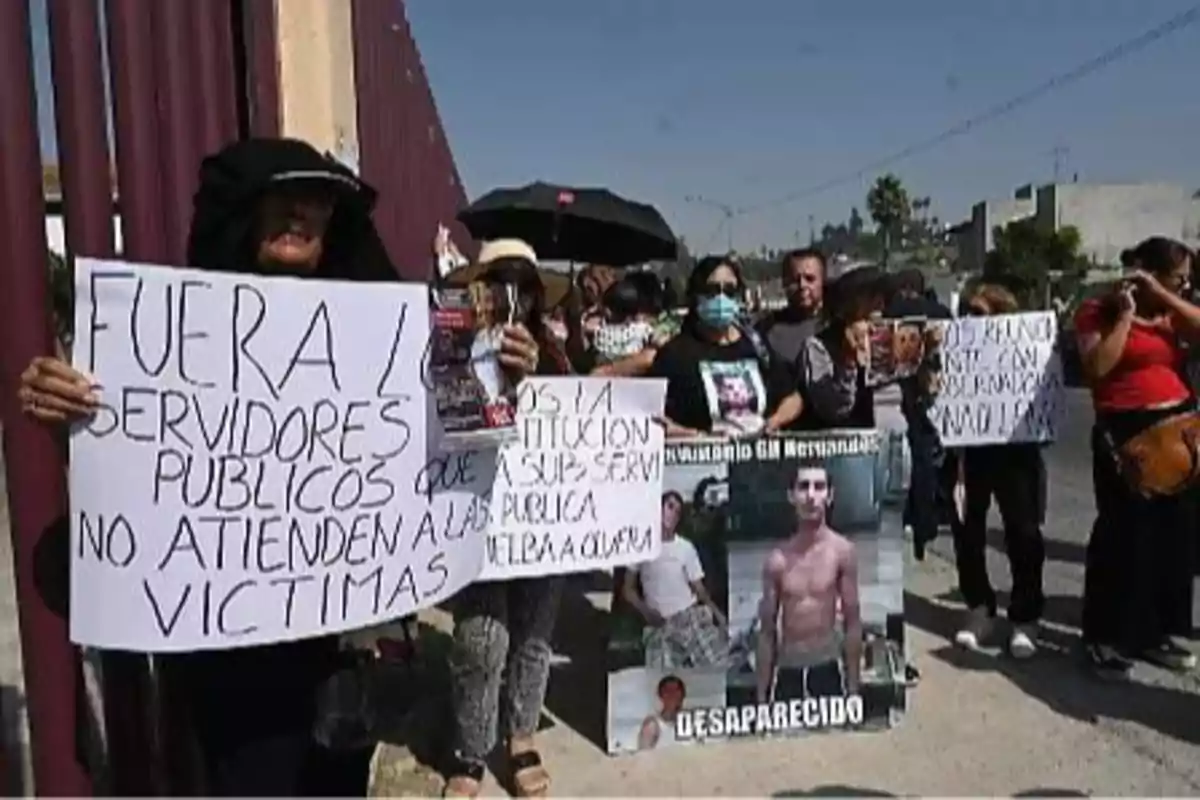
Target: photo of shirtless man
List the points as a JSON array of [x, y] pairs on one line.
[[809, 581]]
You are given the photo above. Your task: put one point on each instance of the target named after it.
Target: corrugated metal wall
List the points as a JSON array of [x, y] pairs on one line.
[[402, 145]]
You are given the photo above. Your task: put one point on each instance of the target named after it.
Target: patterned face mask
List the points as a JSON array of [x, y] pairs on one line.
[[619, 340]]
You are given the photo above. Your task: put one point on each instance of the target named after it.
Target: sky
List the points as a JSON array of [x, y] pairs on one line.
[[740, 103]]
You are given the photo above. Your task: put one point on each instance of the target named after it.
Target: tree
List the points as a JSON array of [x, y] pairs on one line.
[[855, 224], [889, 207], [1036, 256]]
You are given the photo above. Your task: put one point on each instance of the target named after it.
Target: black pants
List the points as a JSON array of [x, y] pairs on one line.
[[1013, 474], [1138, 582], [922, 507], [819, 680], [253, 711]]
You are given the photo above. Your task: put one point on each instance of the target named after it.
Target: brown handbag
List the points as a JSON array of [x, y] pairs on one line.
[[1164, 459]]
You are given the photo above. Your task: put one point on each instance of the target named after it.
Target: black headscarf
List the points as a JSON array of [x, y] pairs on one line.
[[225, 210]]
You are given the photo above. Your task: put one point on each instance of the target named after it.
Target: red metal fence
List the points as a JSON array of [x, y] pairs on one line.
[[185, 77]]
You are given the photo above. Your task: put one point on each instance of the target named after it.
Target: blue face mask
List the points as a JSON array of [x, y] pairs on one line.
[[718, 311]]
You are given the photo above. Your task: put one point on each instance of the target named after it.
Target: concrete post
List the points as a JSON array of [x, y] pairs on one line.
[[316, 75]]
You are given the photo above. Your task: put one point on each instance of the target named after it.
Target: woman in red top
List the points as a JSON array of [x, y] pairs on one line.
[[1138, 583]]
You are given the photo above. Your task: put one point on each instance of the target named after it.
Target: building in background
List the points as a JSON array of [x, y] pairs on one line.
[[1109, 218]]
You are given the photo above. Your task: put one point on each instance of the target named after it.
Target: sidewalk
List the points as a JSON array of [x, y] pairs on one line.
[[977, 725]]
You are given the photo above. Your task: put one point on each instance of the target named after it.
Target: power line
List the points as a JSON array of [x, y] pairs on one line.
[[1126, 48]]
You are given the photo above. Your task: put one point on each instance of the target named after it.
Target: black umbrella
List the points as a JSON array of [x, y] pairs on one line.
[[565, 224]]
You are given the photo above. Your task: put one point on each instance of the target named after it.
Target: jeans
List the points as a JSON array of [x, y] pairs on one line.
[[1012, 474], [1138, 578]]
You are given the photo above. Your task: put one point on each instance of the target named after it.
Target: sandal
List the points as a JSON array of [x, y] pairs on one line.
[[529, 776], [463, 778]]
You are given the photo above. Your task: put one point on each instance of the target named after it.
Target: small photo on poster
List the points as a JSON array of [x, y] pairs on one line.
[[669, 613], [472, 391], [897, 348], [647, 707]]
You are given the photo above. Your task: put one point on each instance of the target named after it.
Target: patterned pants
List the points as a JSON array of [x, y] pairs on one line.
[[500, 661], [690, 638]]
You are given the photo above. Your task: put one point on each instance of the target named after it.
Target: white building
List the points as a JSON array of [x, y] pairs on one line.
[[1109, 217]]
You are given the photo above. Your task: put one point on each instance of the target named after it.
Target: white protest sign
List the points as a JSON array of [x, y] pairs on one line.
[[581, 488], [260, 469], [1003, 380]]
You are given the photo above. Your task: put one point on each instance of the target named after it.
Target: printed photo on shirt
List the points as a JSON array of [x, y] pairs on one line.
[[806, 642], [734, 389]]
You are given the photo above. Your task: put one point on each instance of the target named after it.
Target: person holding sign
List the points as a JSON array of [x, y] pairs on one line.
[[500, 660], [808, 582], [1012, 473], [264, 207], [832, 364], [720, 376], [1138, 580]]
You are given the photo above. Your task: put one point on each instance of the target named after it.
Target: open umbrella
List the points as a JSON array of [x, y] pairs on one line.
[[565, 224]]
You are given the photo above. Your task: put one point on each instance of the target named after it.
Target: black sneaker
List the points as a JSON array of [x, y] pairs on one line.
[[912, 676], [1169, 655], [1107, 663]]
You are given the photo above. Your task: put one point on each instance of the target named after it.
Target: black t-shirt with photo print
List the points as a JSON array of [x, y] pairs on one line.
[[708, 382]]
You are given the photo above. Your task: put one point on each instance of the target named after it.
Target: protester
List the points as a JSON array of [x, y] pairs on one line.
[[926, 500], [832, 363], [631, 306], [720, 376], [500, 660], [1138, 580], [264, 207], [803, 273], [1010, 473]]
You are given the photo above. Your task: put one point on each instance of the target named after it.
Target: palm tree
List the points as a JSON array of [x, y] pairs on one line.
[[889, 206]]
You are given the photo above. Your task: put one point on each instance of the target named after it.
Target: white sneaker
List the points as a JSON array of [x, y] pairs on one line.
[[1021, 643], [977, 625]]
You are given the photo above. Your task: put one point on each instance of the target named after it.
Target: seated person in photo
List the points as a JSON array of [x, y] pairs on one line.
[[684, 627], [660, 728]]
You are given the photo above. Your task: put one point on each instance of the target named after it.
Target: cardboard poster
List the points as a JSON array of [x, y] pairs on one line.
[[262, 466], [775, 606], [1002, 380], [578, 490]]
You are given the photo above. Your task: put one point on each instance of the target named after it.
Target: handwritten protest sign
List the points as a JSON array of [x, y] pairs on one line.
[[260, 469], [1003, 380], [580, 489]]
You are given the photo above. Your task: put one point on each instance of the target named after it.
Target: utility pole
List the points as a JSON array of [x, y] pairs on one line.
[[1059, 153], [727, 211], [812, 231]]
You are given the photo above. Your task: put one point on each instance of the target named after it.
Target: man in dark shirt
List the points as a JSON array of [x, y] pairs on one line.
[[803, 273], [926, 493]]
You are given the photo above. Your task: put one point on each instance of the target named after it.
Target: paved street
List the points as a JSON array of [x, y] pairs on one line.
[[977, 725]]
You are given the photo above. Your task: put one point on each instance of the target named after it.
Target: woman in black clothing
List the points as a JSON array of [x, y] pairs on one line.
[[832, 363], [720, 377], [263, 207], [1012, 474]]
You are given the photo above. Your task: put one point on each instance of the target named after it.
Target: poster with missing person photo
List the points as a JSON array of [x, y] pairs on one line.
[[776, 605]]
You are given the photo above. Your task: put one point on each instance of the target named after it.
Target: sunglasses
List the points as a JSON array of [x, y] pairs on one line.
[[714, 289]]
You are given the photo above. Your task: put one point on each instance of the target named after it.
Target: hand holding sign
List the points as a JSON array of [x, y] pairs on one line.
[[258, 468]]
